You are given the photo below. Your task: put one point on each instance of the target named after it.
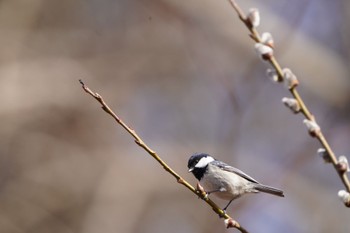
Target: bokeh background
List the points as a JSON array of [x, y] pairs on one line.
[[185, 76]]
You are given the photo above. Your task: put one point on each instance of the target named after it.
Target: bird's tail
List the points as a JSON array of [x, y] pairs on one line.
[[269, 189]]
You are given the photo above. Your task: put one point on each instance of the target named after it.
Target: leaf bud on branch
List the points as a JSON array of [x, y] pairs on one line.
[[292, 104]]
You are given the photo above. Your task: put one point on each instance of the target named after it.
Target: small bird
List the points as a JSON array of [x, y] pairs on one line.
[[224, 180]]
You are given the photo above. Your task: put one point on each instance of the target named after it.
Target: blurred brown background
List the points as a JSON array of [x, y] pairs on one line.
[[185, 76]]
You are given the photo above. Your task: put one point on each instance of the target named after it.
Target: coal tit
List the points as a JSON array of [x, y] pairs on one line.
[[223, 180]]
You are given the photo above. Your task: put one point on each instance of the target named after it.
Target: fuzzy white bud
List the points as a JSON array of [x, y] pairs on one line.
[[313, 128], [344, 197], [272, 74], [292, 104], [264, 51], [266, 38], [290, 80], [230, 223], [324, 154], [343, 164], [253, 17]]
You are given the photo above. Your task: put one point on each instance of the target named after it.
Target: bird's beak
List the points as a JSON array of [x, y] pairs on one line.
[[191, 169]]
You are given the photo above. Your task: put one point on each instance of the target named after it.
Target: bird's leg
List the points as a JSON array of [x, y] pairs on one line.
[[225, 208]]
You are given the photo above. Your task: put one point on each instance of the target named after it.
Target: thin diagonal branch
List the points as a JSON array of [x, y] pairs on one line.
[[230, 223], [254, 34]]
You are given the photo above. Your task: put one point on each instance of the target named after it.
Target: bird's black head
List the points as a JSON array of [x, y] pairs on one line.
[[198, 163]]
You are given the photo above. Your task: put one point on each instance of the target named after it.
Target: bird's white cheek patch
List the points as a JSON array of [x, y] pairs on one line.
[[204, 162]]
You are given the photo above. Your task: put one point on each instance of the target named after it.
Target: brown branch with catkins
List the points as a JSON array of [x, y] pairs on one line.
[[265, 47], [229, 222]]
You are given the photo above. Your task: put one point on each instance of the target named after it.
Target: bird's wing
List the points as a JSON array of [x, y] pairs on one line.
[[229, 168]]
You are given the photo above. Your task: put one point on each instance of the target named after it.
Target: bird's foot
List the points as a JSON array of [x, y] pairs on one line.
[[222, 215], [201, 192]]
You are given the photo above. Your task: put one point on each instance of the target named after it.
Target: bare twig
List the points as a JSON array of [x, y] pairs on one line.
[[254, 34], [230, 223]]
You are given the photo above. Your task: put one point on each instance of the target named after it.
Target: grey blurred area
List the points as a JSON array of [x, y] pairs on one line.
[[185, 76]]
